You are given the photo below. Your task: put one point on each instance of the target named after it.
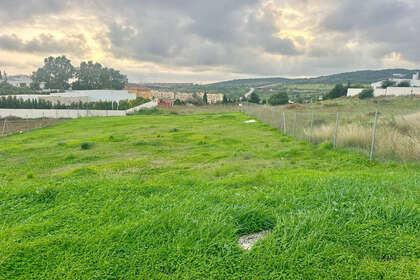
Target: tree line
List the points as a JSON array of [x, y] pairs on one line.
[[12, 102], [59, 73]]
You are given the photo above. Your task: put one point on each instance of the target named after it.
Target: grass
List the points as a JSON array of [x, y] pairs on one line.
[[398, 127], [152, 202]]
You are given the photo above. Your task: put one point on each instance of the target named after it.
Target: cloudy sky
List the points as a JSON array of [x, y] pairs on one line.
[[203, 40]]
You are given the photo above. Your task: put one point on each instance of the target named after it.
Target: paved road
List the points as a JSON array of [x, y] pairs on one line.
[[248, 94]]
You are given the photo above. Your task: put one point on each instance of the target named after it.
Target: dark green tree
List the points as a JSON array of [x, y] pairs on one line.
[[280, 98], [338, 91], [205, 98], [254, 98], [225, 100], [56, 73]]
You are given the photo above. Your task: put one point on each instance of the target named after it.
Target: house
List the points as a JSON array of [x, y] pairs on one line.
[[143, 92], [183, 96], [213, 98], [20, 81], [164, 95]]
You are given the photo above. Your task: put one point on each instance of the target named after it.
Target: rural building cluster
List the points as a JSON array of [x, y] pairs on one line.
[[412, 87], [170, 96]]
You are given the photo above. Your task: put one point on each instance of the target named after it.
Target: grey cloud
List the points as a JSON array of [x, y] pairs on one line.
[[13, 11], [231, 36], [44, 44], [389, 25], [199, 34]]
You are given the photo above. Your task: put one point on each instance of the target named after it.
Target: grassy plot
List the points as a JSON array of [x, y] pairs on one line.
[[168, 196]]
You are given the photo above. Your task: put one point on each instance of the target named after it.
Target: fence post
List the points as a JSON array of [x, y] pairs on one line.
[[373, 136], [284, 123], [312, 124], [272, 116], [336, 131], [4, 127], [294, 125]]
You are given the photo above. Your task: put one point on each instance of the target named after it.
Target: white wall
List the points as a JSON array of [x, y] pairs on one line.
[[57, 114], [354, 91], [397, 91], [379, 92], [148, 105], [390, 91]]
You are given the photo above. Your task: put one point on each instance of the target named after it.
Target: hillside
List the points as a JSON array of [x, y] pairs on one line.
[[168, 196], [357, 77]]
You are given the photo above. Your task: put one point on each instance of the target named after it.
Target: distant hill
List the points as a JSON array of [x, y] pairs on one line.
[[357, 77]]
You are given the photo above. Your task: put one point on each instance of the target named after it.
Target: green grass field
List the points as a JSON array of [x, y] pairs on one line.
[[168, 196]]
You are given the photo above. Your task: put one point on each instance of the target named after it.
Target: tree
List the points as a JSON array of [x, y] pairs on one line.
[[94, 76], [404, 84], [55, 73], [366, 93], [280, 98], [387, 83], [205, 100], [225, 100], [254, 98], [338, 91]]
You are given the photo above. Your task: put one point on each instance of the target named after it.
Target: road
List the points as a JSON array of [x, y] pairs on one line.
[[248, 94]]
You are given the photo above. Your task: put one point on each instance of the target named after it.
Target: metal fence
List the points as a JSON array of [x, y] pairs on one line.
[[12, 126], [378, 135]]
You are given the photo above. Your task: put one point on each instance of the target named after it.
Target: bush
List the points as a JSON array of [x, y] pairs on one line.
[[280, 98], [86, 146], [179, 102], [366, 93]]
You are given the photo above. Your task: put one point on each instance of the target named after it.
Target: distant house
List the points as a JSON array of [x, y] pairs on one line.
[[214, 98], [143, 92], [164, 95], [166, 104], [20, 81]]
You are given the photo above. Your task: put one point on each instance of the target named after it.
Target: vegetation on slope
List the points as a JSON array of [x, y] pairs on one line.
[[158, 197]]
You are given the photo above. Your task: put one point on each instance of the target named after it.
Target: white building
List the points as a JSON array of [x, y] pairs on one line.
[[390, 91], [414, 82], [20, 81]]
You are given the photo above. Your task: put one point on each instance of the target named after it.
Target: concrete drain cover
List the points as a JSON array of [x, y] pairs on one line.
[[246, 242]]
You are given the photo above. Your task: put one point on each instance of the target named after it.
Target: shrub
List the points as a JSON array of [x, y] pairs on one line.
[[366, 93], [86, 146], [280, 98], [179, 102]]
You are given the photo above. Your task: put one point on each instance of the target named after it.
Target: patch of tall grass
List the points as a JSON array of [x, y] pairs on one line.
[[396, 138]]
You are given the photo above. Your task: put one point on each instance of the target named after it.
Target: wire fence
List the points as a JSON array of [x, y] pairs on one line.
[[12, 126], [378, 135]]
